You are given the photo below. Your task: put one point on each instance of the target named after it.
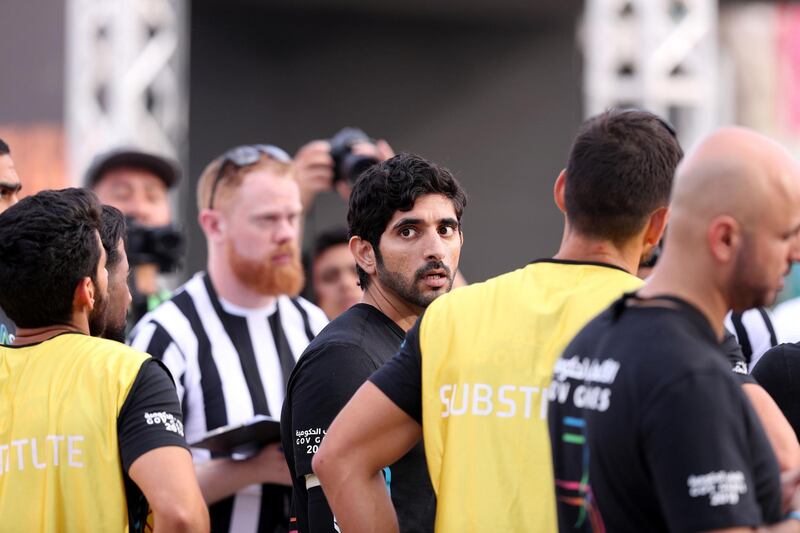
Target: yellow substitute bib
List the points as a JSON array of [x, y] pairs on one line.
[[488, 352], [60, 468]]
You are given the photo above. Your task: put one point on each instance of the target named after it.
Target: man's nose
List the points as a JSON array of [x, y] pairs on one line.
[[285, 231], [434, 246]]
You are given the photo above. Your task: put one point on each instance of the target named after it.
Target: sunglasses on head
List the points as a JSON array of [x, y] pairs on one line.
[[245, 155]]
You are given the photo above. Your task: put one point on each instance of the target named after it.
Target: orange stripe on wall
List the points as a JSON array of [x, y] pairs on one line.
[[38, 151]]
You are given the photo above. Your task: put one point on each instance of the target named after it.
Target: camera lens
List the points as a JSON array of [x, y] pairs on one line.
[[353, 165]]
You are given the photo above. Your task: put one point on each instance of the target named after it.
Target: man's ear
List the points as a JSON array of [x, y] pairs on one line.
[[84, 295], [212, 223], [558, 191], [364, 254], [724, 238], [656, 226]]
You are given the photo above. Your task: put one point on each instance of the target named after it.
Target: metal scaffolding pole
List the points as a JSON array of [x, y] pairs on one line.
[[126, 78], [660, 55]]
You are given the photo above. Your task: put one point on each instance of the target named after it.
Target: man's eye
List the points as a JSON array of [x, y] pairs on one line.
[[447, 231], [408, 232]]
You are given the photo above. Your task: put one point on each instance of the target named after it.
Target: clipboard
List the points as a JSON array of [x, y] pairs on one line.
[[241, 439]]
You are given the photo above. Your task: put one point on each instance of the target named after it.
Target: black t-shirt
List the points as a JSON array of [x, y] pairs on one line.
[[651, 432], [334, 365], [150, 418], [7, 329], [778, 371], [400, 379]]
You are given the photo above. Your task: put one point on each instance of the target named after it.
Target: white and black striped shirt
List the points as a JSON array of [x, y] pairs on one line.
[[754, 333], [230, 363]]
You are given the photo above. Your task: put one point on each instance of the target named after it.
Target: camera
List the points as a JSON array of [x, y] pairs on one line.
[[347, 165], [162, 245]]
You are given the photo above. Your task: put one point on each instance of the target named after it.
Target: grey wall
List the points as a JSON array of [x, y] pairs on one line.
[[497, 102], [32, 61]]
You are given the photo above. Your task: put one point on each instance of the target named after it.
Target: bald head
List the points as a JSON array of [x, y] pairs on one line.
[[735, 172], [735, 219]]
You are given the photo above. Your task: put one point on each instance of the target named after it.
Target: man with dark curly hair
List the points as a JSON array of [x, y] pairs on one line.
[[405, 234]]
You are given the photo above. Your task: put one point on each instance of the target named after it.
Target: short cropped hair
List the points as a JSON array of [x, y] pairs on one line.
[[328, 239], [112, 229], [48, 244], [619, 171], [394, 185], [4, 149], [232, 178]]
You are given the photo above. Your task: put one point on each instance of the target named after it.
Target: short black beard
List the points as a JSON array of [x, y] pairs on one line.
[[410, 293]]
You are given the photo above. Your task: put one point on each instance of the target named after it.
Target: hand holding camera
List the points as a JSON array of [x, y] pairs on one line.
[[336, 163]]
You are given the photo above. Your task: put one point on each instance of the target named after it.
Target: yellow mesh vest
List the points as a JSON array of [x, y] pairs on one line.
[[60, 468], [487, 356]]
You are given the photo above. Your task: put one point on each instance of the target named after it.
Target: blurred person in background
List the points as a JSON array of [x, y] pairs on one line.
[[91, 429], [231, 335], [472, 374], [9, 191], [404, 219], [334, 279], [138, 184]]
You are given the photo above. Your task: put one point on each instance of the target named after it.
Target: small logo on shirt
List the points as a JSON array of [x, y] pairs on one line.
[[740, 368], [167, 419], [722, 488]]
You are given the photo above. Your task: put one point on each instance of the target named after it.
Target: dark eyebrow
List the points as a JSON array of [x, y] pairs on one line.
[[407, 222], [449, 221], [13, 187]]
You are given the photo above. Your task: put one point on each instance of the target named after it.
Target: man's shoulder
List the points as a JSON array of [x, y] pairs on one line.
[[99, 356], [653, 343], [345, 335], [360, 337]]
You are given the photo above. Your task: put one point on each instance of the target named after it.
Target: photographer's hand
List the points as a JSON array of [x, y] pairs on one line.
[[313, 169], [380, 151]]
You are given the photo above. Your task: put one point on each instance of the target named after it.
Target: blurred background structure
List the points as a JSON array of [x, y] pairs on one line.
[[493, 91]]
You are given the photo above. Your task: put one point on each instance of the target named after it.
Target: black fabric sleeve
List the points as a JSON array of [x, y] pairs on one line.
[[698, 453], [733, 351], [151, 416], [778, 371], [401, 377], [320, 390]]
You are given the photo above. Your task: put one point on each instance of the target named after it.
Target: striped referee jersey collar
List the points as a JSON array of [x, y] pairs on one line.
[[232, 308]]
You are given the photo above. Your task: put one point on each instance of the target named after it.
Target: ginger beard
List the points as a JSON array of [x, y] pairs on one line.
[[262, 277]]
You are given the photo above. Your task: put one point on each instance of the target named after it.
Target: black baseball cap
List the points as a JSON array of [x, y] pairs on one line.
[[164, 168]]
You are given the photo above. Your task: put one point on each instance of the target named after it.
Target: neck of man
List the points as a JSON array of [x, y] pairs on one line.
[[387, 302], [229, 287], [27, 336], [577, 247], [686, 279]]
